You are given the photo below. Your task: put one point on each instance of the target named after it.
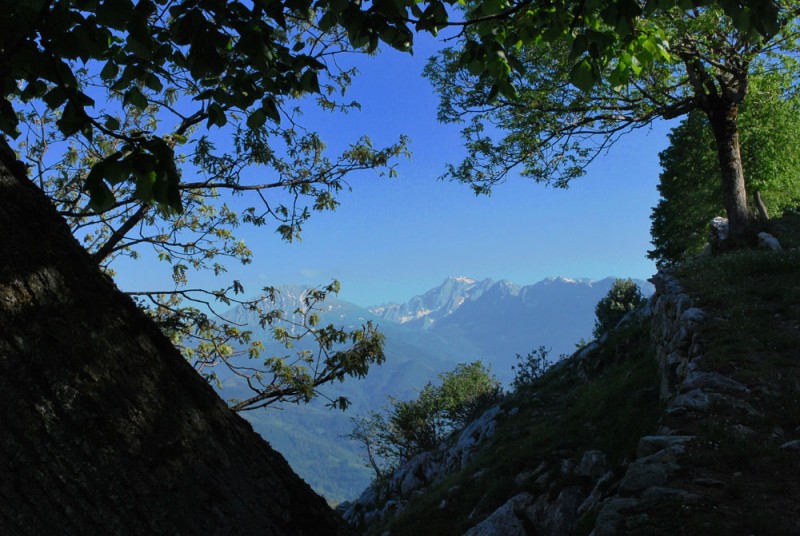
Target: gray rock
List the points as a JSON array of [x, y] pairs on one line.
[[609, 517], [741, 406], [587, 350], [719, 229], [667, 455], [506, 520], [767, 241], [692, 316], [681, 339], [740, 430], [390, 507], [523, 477], [566, 466], [711, 381], [652, 470], [793, 446], [694, 400], [675, 358], [413, 475], [708, 482], [477, 431], [649, 445], [593, 464], [600, 488], [556, 517], [659, 493], [640, 476]]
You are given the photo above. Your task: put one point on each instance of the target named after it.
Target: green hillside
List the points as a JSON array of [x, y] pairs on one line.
[[717, 453]]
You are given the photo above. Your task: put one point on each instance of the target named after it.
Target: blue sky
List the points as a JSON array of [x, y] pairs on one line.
[[393, 238]]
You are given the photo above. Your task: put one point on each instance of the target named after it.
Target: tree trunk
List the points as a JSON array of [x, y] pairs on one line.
[[723, 118], [104, 427], [762, 208]]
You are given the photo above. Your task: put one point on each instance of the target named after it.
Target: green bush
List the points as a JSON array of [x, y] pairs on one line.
[[407, 428], [529, 368], [623, 297]]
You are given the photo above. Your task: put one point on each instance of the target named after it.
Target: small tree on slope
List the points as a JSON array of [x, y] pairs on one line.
[[623, 297]]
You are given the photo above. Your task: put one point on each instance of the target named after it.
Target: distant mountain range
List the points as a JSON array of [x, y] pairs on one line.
[[425, 310], [502, 319], [461, 320]]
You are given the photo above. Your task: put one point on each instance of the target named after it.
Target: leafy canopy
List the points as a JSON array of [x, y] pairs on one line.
[[236, 57], [564, 114], [689, 184]]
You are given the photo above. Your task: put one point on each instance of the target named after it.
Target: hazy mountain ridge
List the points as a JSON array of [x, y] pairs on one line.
[[503, 318], [466, 320], [424, 310]]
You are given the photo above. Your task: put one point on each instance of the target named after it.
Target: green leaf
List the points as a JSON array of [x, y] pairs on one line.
[[55, 97], [144, 186], [583, 76], [153, 82], [328, 21], [271, 109], [72, 119], [135, 97], [110, 70], [309, 81], [112, 123], [101, 198], [115, 13], [257, 119], [216, 115]]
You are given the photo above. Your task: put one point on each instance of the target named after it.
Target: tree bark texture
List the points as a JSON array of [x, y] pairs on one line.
[[763, 213], [723, 118], [104, 427]]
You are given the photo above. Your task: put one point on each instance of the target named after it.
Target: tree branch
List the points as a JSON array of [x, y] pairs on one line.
[[107, 248]]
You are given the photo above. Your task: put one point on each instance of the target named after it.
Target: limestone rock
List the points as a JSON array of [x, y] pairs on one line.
[[506, 520], [649, 445], [695, 400], [609, 517], [600, 488], [767, 241], [658, 493], [712, 381], [593, 464], [793, 446]]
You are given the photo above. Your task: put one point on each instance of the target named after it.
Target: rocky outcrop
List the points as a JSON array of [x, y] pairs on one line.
[[673, 332], [427, 468]]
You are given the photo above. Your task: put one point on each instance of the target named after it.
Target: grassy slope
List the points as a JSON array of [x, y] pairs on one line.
[[567, 412], [752, 335]]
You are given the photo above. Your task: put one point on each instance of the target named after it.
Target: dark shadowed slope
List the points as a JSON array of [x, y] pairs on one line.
[[105, 428]]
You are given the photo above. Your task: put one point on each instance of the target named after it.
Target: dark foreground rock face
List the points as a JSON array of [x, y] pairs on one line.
[[104, 427]]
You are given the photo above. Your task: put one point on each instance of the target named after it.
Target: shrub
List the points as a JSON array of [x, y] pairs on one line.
[[529, 368], [407, 428], [623, 297]]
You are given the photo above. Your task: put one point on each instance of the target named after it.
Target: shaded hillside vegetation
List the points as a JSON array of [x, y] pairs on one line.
[[683, 420]]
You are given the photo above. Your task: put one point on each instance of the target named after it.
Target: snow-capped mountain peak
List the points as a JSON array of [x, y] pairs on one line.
[[426, 309]]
